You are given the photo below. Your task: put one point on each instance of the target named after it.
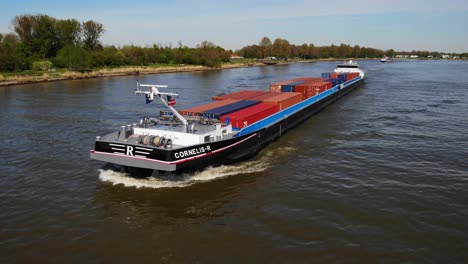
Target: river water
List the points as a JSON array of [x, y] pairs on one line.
[[380, 176]]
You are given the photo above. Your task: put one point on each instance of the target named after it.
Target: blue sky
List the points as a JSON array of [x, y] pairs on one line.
[[400, 24]]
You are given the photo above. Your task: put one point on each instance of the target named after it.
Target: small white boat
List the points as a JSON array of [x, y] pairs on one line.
[[386, 60]]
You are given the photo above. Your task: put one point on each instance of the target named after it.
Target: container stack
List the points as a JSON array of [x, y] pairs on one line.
[[276, 87], [339, 77], [310, 89], [197, 110], [289, 85], [243, 108], [216, 113], [284, 100], [265, 96], [248, 116], [241, 95], [289, 88], [309, 79]]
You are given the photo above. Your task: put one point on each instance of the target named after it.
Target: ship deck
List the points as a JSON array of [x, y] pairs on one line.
[[198, 128]]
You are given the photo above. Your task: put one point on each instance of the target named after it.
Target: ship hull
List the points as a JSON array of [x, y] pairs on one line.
[[227, 151]]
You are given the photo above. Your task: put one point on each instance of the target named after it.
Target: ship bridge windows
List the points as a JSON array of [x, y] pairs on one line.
[[348, 66]]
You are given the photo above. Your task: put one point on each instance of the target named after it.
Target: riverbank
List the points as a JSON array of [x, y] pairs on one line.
[[61, 74], [50, 76]]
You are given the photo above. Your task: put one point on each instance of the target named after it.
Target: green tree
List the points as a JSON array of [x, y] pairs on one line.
[[390, 53], [41, 65], [303, 51], [356, 51], [42, 36], [281, 48], [45, 43], [265, 44], [184, 55], [436, 54], [73, 57], [24, 26], [11, 57], [313, 51], [69, 32], [112, 56], [135, 55], [207, 54], [252, 51], [332, 51], [92, 31], [344, 51]]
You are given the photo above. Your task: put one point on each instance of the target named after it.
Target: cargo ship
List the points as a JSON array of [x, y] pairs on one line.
[[233, 127]]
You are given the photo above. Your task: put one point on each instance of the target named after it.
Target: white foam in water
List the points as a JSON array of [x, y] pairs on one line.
[[184, 180]]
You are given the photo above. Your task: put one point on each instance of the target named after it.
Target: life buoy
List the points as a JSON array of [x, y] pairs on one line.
[[150, 140], [168, 143], [156, 140], [162, 141], [145, 140]]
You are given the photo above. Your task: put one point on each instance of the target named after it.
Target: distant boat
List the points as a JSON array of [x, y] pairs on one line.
[[386, 60], [270, 61]]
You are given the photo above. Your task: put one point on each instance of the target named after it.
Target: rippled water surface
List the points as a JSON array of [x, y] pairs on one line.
[[379, 176]]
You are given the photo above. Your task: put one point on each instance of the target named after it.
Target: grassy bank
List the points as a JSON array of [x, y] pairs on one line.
[[22, 77], [30, 76]]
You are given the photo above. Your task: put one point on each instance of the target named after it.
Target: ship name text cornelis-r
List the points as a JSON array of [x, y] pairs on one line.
[[192, 152]]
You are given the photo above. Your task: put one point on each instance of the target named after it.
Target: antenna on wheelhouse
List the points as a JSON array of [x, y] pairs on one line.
[[153, 92]]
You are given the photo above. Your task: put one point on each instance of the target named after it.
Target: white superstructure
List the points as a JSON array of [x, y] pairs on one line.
[[349, 66], [181, 134]]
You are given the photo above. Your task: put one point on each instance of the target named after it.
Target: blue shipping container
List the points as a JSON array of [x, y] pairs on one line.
[[325, 75], [227, 109], [333, 81], [290, 87], [340, 80]]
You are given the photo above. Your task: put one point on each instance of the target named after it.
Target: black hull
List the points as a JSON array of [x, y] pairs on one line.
[[216, 153]]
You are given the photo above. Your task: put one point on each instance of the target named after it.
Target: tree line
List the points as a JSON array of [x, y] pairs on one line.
[[41, 37], [282, 49], [41, 42]]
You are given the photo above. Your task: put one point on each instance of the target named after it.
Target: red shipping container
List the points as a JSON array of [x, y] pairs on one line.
[[310, 79], [351, 75], [265, 96], [276, 87], [241, 95], [285, 100], [306, 91], [248, 116], [334, 75], [310, 89], [195, 111]]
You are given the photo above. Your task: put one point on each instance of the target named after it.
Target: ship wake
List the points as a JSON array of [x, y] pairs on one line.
[[170, 180]]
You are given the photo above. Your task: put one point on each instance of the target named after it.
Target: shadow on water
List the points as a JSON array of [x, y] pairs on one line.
[[202, 201], [168, 197]]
